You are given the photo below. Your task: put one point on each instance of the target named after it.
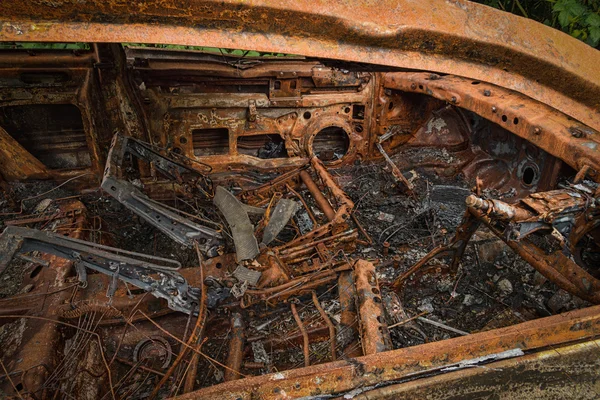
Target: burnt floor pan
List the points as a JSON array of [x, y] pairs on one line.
[[190, 224]]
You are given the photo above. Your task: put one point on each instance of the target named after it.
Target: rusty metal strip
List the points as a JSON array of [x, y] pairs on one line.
[[175, 226], [305, 343], [235, 356], [563, 372], [395, 170], [329, 325], [340, 376], [348, 326], [451, 37], [374, 333]]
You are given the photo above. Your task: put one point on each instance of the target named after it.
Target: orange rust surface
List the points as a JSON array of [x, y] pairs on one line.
[[452, 37], [43, 340], [522, 59], [375, 337], [340, 376], [564, 372], [555, 133]]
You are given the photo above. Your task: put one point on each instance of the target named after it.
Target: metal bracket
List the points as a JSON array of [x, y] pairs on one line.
[[178, 228], [155, 275]]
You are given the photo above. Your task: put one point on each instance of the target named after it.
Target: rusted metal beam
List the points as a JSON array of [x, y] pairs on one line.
[[46, 59], [18, 163], [317, 195], [374, 333], [235, 356], [305, 345], [555, 266], [552, 131], [451, 37], [341, 376], [348, 327], [563, 372]]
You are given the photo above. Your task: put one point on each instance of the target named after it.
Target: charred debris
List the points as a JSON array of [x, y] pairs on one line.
[[175, 220]]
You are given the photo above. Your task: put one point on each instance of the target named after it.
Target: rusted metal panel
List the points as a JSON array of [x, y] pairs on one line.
[[16, 162], [561, 372], [407, 363], [40, 355], [451, 37], [539, 124]]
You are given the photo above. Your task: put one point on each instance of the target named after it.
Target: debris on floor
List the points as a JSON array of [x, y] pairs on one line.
[[187, 264]]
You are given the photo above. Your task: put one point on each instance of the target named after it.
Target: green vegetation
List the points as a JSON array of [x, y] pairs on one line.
[[578, 18], [43, 46], [86, 46], [216, 50]]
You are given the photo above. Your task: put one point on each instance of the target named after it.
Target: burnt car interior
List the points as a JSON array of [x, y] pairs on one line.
[[209, 225]]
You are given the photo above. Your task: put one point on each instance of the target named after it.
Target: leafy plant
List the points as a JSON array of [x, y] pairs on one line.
[[578, 18], [224, 52], [43, 46]]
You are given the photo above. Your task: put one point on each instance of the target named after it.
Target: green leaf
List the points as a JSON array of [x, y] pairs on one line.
[[563, 19], [594, 36], [577, 10], [593, 20], [559, 6]]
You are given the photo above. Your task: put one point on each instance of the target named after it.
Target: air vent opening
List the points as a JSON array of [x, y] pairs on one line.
[[211, 141]]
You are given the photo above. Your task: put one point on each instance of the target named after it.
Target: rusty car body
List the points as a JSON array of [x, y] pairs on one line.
[[375, 200]]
